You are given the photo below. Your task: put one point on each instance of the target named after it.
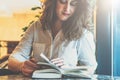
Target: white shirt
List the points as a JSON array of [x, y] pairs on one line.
[[37, 41]]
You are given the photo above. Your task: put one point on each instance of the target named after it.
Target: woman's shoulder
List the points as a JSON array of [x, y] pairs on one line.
[[86, 39], [37, 25], [87, 34]]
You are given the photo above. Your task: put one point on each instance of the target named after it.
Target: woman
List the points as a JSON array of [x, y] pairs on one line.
[[62, 34]]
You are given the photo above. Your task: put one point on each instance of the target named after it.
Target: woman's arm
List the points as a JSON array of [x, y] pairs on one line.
[[22, 51], [26, 67], [86, 52], [14, 65]]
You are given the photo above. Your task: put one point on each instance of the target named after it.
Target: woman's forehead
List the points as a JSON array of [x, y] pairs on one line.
[[69, 0]]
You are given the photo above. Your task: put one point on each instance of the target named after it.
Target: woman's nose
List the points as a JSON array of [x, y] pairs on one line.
[[67, 7]]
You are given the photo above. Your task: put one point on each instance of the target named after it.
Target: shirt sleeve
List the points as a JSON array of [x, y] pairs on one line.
[[86, 51], [23, 49]]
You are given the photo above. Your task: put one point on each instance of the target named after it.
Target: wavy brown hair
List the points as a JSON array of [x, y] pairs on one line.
[[73, 27]]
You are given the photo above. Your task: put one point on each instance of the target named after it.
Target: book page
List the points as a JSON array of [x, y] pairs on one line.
[[49, 63], [78, 75], [64, 69], [74, 68], [46, 73]]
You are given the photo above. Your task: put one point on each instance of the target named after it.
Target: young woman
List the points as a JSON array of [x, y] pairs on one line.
[[62, 34]]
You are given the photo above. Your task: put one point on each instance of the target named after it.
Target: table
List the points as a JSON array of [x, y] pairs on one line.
[[21, 77]]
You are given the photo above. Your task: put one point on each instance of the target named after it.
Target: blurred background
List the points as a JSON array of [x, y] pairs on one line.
[[15, 15]]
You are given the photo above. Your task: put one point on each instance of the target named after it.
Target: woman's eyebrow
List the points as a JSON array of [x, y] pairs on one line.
[[75, 0]]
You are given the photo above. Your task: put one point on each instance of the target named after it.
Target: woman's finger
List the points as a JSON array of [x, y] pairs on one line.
[[56, 59], [58, 62], [31, 64], [28, 67], [33, 60], [27, 72]]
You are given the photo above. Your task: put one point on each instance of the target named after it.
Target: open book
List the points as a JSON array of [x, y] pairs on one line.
[[55, 72]]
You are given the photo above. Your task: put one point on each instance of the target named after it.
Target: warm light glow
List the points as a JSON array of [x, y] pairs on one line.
[[115, 3], [5, 11], [8, 7], [3, 48], [14, 15]]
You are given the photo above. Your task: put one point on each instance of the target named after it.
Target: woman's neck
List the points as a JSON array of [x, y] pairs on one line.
[[56, 28]]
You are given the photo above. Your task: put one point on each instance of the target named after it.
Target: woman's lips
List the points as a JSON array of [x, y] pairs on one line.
[[66, 14]]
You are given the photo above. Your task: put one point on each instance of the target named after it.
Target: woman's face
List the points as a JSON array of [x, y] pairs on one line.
[[65, 9]]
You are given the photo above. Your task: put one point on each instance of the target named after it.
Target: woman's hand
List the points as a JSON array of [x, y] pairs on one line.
[[58, 62], [29, 66]]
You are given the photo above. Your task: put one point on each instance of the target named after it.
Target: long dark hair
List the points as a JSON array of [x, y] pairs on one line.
[[73, 27]]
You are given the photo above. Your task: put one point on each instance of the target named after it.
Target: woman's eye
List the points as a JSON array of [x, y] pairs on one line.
[[63, 1], [73, 3]]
